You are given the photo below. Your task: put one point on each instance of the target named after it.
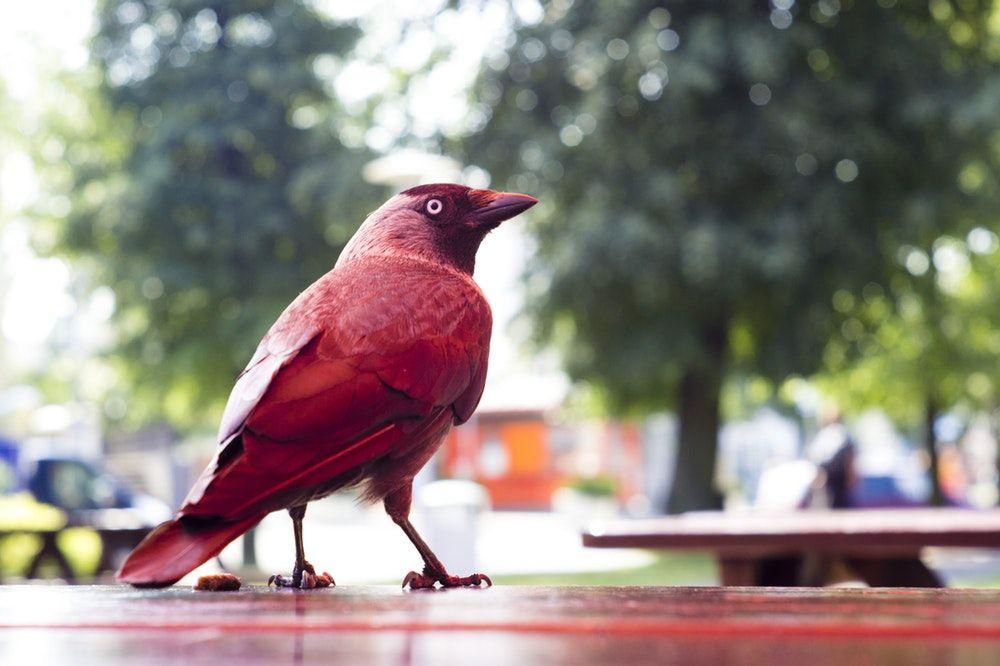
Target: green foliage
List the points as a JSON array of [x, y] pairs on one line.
[[209, 181], [727, 167], [933, 337], [594, 486], [675, 201]]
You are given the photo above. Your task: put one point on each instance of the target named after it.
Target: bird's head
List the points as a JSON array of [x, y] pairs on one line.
[[443, 222]]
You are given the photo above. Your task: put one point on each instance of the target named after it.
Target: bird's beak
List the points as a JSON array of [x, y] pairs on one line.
[[500, 206]]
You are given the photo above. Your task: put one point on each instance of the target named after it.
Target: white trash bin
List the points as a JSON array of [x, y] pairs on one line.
[[450, 511]]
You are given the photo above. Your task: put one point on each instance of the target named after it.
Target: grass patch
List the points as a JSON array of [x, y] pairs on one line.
[[987, 581], [667, 568]]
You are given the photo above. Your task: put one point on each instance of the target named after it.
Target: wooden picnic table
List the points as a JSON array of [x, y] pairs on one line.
[[502, 625], [882, 547]]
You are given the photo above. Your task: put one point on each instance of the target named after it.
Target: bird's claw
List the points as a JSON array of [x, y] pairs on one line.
[[310, 581], [426, 581], [307, 581], [474, 580], [418, 581]]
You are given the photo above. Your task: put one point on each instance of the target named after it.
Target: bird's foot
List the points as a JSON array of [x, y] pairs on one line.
[[427, 579], [306, 579], [309, 581]]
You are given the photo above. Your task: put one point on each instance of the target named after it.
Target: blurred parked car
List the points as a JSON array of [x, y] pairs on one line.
[[87, 493]]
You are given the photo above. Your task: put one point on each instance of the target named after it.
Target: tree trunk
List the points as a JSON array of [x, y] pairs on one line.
[[250, 549], [698, 414], [930, 442]]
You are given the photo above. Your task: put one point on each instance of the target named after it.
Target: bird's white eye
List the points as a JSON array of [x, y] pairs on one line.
[[434, 206]]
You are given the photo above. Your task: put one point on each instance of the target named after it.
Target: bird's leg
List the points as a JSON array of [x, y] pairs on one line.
[[303, 574], [397, 505]]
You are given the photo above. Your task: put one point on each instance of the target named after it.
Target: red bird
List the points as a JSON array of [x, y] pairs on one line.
[[356, 384]]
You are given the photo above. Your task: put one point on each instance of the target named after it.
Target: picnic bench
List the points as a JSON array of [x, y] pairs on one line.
[[503, 625], [882, 547], [115, 543]]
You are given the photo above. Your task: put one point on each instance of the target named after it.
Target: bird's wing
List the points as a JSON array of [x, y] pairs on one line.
[[277, 348], [355, 367]]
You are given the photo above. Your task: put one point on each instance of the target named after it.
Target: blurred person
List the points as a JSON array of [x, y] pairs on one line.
[[825, 478], [834, 454]]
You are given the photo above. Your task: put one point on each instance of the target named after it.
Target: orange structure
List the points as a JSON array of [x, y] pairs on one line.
[[509, 453], [522, 456]]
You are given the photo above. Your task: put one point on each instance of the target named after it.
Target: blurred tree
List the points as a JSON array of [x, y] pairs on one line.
[[210, 178], [5, 115], [712, 173], [928, 344]]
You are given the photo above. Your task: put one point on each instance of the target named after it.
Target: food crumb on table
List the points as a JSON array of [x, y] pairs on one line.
[[224, 582]]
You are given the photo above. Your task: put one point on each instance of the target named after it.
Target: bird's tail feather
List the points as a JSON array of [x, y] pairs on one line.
[[178, 546]]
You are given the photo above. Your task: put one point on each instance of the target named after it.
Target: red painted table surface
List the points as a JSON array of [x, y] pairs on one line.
[[502, 625], [848, 530]]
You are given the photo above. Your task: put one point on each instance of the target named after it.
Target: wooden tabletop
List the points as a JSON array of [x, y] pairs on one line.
[[502, 625], [847, 530]]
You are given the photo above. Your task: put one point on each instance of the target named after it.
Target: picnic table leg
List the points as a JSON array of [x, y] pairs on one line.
[[773, 571], [111, 547], [785, 571], [50, 548], [908, 571], [115, 544], [737, 571], [105, 563]]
